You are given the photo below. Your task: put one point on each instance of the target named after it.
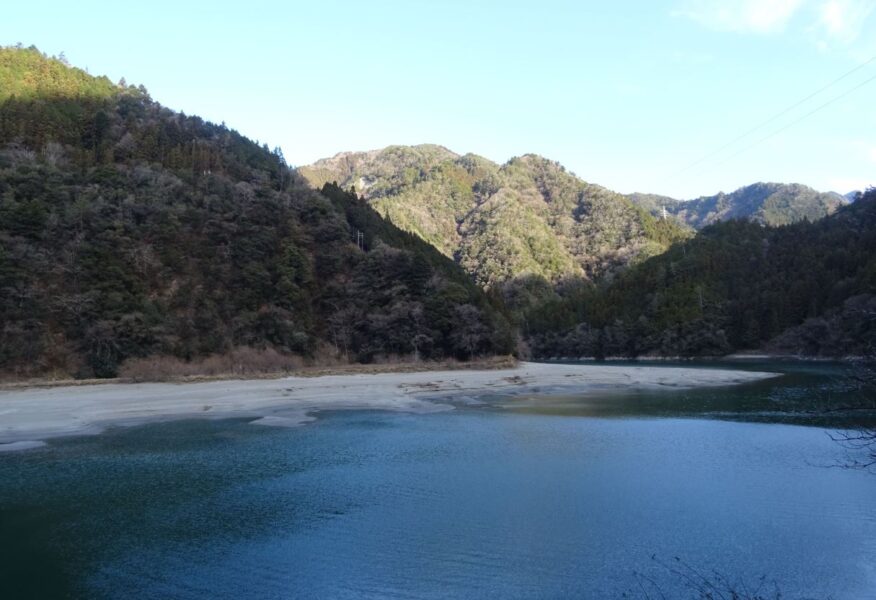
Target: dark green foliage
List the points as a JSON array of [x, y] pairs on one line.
[[128, 230], [737, 285], [406, 297]]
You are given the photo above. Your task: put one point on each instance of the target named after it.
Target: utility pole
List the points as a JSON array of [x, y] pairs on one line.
[[664, 212], [360, 240]]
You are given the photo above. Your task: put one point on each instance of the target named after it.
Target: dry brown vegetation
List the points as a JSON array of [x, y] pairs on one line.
[[239, 362], [252, 363], [493, 363]]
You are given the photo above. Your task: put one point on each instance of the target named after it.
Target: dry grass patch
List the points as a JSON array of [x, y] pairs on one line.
[[239, 363], [252, 363]]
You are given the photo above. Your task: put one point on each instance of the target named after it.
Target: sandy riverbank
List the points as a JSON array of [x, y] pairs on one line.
[[40, 413]]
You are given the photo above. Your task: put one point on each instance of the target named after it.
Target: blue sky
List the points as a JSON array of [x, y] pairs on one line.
[[624, 94]]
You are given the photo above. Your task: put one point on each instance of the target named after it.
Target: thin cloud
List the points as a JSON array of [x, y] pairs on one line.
[[842, 20], [743, 16], [829, 25]]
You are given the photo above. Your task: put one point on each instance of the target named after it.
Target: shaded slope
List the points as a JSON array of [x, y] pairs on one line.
[[128, 230]]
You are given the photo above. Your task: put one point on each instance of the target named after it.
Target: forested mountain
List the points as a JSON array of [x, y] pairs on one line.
[[771, 204], [531, 219], [528, 218], [807, 288], [129, 230]]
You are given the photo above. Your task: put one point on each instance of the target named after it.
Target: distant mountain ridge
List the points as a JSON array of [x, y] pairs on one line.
[[770, 204], [530, 217], [852, 196], [526, 218]]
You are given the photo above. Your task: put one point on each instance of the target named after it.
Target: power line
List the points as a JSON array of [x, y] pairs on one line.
[[778, 115], [792, 123]]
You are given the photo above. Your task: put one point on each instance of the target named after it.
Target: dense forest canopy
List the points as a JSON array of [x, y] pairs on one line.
[[806, 288], [129, 230]]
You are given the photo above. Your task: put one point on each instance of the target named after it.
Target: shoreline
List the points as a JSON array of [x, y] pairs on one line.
[[735, 358], [485, 364], [36, 414]]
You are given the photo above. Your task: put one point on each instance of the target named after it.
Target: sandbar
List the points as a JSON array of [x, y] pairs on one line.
[[36, 414]]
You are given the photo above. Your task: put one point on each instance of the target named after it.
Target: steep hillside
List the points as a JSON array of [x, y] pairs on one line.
[[128, 230], [526, 218], [766, 203], [807, 288]]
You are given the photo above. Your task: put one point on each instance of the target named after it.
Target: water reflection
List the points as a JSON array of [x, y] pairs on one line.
[[808, 393]]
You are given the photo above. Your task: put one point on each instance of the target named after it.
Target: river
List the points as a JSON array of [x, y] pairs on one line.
[[565, 497]]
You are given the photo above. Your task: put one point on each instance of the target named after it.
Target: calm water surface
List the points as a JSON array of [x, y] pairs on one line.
[[525, 498]]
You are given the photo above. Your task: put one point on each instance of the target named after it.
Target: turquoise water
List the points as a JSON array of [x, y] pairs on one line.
[[523, 498]]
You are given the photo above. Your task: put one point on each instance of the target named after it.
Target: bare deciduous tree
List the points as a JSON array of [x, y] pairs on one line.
[[861, 443], [688, 581]]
